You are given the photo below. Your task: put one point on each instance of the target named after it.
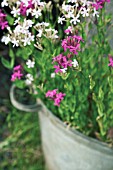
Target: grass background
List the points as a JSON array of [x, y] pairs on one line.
[[20, 143]]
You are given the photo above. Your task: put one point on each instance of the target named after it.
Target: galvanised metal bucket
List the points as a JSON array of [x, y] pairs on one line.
[[67, 149], [64, 148]]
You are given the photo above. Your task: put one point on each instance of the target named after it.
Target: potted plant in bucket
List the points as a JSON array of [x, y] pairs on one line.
[[66, 61]]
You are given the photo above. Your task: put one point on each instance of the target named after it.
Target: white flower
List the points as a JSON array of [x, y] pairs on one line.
[[37, 2], [63, 70], [52, 75], [36, 13], [60, 20], [85, 12], [46, 24], [4, 3], [72, 1], [75, 63], [16, 21], [18, 29], [30, 63], [85, 2], [54, 35], [70, 14], [75, 20], [15, 11], [66, 7], [29, 79], [27, 39], [25, 2], [39, 33], [28, 23], [6, 39], [15, 42], [28, 11], [95, 13]]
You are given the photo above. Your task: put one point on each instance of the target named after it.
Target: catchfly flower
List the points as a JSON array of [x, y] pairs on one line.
[[110, 61], [30, 63], [72, 43], [56, 97], [3, 21], [17, 73]]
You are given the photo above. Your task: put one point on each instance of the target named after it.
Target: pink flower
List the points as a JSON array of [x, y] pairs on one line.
[[17, 74], [99, 4], [51, 94], [62, 61], [23, 7], [56, 97], [58, 69], [111, 61], [59, 98], [16, 68], [72, 43], [30, 5], [3, 22], [68, 30]]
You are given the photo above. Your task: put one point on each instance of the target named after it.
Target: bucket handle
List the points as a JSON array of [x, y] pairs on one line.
[[23, 107]]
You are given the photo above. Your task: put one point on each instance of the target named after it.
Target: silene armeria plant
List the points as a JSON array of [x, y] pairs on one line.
[[61, 49]]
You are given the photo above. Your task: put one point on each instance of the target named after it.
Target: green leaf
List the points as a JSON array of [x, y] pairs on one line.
[[11, 53], [100, 123], [92, 83], [20, 84], [7, 64], [101, 94], [10, 19], [24, 52]]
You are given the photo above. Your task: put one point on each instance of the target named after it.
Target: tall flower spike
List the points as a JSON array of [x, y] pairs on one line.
[[3, 22]]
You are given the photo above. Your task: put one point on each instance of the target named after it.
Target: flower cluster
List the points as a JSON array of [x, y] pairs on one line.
[[22, 33], [24, 7], [3, 22], [56, 97], [110, 61], [44, 29], [100, 4], [63, 62], [71, 43], [29, 79], [20, 36], [17, 73], [80, 8], [23, 30]]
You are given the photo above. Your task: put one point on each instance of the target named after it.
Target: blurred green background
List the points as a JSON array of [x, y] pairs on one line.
[[20, 143]]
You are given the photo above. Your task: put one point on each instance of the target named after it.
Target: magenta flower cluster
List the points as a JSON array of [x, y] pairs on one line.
[[56, 97], [110, 61], [72, 43], [100, 4], [17, 73], [3, 22], [24, 8], [63, 62]]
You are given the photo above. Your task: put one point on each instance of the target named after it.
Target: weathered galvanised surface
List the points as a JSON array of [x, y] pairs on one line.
[[65, 149]]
